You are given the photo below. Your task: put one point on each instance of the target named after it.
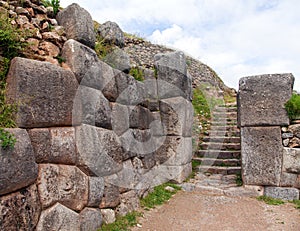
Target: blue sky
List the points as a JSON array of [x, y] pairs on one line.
[[236, 38]]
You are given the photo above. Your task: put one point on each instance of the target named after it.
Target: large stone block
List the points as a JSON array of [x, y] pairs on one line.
[[99, 151], [17, 165], [261, 99], [288, 194], [112, 33], [111, 196], [96, 110], [88, 69], [261, 155], [54, 145], [78, 24], [129, 202], [118, 59], [291, 160], [58, 217], [139, 117], [130, 91], [288, 180], [64, 184], [96, 189], [172, 76], [90, 219], [120, 118], [44, 94], [20, 210], [177, 116]]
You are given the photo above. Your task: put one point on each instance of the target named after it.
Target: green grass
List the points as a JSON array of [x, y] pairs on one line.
[[293, 106], [137, 73], [159, 195], [297, 203], [200, 103], [53, 3], [270, 200], [122, 223], [7, 140]]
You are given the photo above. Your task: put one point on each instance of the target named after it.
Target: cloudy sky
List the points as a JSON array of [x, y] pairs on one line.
[[236, 38]]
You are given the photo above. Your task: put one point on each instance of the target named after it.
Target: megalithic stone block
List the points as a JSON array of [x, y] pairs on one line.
[[261, 99], [43, 93], [261, 155], [78, 24]]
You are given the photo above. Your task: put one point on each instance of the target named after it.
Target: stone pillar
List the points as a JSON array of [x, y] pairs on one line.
[[261, 113]]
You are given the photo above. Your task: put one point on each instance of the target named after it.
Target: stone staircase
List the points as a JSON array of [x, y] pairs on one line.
[[220, 150]]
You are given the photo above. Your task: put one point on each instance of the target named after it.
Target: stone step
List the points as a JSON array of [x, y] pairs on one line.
[[213, 133], [224, 115], [219, 170], [224, 120], [224, 128], [224, 123], [218, 154], [218, 162], [225, 109], [221, 139], [228, 105], [220, 146]]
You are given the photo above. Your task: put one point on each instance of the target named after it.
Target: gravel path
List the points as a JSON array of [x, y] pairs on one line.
[[214, 203]]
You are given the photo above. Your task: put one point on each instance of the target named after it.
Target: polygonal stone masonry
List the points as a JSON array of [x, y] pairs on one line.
[[65, 184], [18, 168]]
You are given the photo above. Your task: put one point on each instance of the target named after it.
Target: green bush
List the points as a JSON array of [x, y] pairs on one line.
[[11, 38], [200, 103], [293, 106]]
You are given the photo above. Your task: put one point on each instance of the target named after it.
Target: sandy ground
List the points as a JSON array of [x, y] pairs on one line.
[[199, 211]]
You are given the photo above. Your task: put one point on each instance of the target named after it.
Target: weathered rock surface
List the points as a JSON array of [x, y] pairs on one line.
[[96, 110], [129, 202], [261, 165], [64, 184], [118, 59], [288, 180], [96, 190], [111, 196], [108, 216], [130, 91], [20, 210], [172, 75], [58, 217], [54, 145], [120, 118], [78, 24], [17, 165], [44, 94], [99, 151], [88, 69], [139, 117], [111, 33], [177, 116], [291, 160], [90, 219], [288, 194], [262, 98]]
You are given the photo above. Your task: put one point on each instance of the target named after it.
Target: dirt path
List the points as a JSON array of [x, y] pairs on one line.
[[199, 211]]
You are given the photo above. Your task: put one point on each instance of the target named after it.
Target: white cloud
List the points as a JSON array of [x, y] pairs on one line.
[[236, 38]]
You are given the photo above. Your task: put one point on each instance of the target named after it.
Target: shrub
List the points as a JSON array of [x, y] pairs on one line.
[[137, 73], [55, 4], [293, 106]]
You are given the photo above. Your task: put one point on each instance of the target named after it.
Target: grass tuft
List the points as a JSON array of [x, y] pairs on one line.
[[137, 73], [122, 223], [270, 200], [159, 195], [297, 203]]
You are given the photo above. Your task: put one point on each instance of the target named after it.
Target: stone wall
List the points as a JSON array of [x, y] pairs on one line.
[[263, 121], [91, 140]]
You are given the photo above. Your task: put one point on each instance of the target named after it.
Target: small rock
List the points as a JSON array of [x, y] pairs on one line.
[[169, 188], [108, 216], [286, 142], [294, 143], [284, 129], [287, 135]]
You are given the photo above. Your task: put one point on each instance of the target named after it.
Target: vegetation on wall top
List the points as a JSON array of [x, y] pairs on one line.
[[293, 107]]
